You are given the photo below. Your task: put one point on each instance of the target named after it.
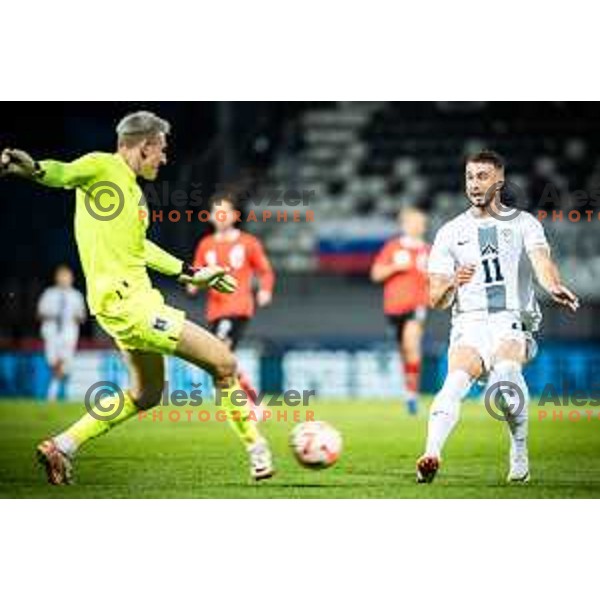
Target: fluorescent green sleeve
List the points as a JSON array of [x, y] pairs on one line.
[[160, 260], [70, 175]]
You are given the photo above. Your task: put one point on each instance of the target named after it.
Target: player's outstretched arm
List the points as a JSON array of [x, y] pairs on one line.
[[211, 276], [380, 272], [52, 173], [264, 273], [548, 276], [18, 163], [204, 277], [386, 264], [160, 260]]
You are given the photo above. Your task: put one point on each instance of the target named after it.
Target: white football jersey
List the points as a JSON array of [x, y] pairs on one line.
[[61, 311], [503, 279]]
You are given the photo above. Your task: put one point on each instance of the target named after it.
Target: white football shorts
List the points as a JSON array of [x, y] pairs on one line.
[[485, 333], [60, 348]]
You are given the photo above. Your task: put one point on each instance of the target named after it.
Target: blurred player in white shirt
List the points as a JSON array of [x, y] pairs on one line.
[[481, 266], [61, 309]]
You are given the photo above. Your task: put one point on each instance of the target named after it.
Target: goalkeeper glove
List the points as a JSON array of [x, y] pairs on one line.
[[18, 162], [214, 277]]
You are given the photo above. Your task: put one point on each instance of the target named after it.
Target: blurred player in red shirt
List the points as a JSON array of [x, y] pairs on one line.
[[401, 266], [244, 256]]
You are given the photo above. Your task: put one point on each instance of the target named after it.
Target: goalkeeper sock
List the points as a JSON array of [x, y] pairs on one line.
[[90, 427], [445, 410], [239, 416]]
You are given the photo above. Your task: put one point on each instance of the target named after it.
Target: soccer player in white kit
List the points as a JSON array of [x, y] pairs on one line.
[[481, 266], [61, 309]]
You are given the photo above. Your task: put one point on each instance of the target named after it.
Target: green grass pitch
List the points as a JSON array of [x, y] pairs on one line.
[[205, 460]]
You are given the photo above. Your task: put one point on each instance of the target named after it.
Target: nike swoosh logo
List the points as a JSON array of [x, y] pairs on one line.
[[463, 243]]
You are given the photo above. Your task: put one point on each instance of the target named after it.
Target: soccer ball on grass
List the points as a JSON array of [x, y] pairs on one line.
[[316, 444]]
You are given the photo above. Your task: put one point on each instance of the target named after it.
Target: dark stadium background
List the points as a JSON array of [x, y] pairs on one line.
[[363, 161]]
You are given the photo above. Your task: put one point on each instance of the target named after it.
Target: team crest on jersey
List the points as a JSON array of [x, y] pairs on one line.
[[402, 258], [160, 324], [507, 236]]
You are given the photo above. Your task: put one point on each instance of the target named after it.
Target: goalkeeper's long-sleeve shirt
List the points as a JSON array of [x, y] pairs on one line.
[[110, 225]]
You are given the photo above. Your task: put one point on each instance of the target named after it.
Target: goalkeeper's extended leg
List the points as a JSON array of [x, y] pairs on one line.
[[203, 349], [146, 371]]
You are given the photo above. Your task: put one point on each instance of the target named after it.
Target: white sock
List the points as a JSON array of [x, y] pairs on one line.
[[517, 416], [53, 388], [66, 444], [445, 410]]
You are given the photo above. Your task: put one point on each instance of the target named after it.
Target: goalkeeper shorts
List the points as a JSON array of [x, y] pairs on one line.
[[142, 321]]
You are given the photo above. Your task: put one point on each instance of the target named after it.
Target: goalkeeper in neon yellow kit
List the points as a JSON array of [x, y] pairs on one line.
[[115, 255]]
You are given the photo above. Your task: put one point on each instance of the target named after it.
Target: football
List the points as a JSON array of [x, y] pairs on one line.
[[316, 444]]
